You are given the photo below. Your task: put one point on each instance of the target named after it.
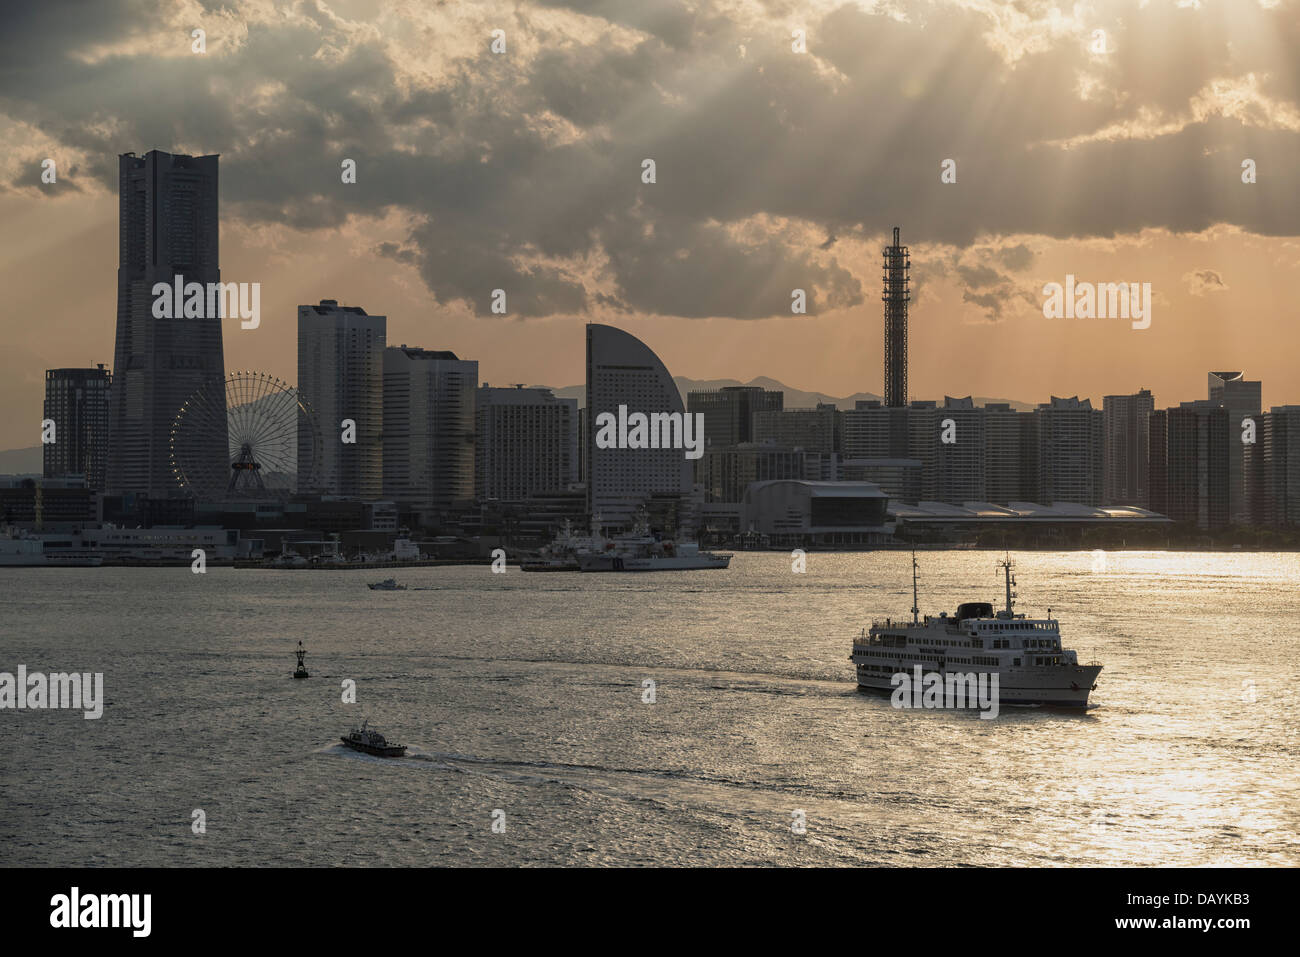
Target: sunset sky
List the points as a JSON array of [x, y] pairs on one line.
[[775, 169]]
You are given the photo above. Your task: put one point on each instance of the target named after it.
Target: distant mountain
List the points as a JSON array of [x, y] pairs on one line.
[[794, 398], [30, 461]]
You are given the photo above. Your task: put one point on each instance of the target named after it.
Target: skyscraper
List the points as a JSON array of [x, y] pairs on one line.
[[958, 474], [724, 472], [1126, 447], [1006, 441], [897, 265], [871, 430], [428, 429], [526, 443], [622, 370], [76, 401], [729, 412], [1070, 448], [819, 429], [1242, 399], [1189, 463], [167, 227], [1273, 469], [920, 420], [341, 377]]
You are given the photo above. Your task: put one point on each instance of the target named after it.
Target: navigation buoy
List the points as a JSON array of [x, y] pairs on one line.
[[301, 670]]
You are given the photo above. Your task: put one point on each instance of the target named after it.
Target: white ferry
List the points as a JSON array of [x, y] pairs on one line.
[[1025, 653]]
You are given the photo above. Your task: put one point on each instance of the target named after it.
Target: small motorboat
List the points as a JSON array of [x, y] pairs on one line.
[[388, 584], [370, 741]]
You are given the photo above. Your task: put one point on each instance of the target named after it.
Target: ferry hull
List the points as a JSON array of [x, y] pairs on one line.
[[1063, 687]]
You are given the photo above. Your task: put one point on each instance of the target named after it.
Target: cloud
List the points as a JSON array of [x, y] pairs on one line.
[[522, 171], [1201, 282], [983, 273]]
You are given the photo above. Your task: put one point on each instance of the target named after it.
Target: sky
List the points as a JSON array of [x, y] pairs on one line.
[[1100, 140]]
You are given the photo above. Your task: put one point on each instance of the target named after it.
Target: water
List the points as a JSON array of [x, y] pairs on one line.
[[523, 693]]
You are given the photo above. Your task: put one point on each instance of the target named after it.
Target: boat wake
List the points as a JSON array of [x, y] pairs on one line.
[[675, 789]]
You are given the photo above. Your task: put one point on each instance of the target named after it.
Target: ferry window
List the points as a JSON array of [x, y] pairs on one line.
[[1016, 662]]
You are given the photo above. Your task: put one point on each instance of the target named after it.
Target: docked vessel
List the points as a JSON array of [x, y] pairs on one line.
[[1024, 653], [32, 552], [561, 555], [641, 551], [388, 584], [370, 741], [653, 557]]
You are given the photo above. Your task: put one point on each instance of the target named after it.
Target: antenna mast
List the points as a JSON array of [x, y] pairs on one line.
[[1006, 566], [914, 601]]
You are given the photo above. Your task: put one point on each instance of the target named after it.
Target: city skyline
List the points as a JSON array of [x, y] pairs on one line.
[[641, 434], [1077, 181], [411, 432]]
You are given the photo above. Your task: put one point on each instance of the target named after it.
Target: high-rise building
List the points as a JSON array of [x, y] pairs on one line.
[[900, 479], [725, 472], [729, 412], [867, 431], [167, 228], [819, 429], [1006, 448], [897, 266], [428, 452], [76, 401], [1070, 450], [920, 420], [1126, 454], [341, 378], [958, 449], [527, 443], [1273, 469], [1242, 399], [622, 370], [1189, 463]]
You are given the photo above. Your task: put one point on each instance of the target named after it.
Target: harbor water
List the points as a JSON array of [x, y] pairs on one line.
[[679, 718]]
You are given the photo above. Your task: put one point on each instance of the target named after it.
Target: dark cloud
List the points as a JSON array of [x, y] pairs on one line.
[[523, 173], [1017, 258]]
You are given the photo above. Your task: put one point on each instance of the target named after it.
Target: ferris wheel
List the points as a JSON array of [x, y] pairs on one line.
[[271, 435]]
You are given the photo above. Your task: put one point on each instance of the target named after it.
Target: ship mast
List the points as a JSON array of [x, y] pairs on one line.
[[914, 601], [1006, 567]]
